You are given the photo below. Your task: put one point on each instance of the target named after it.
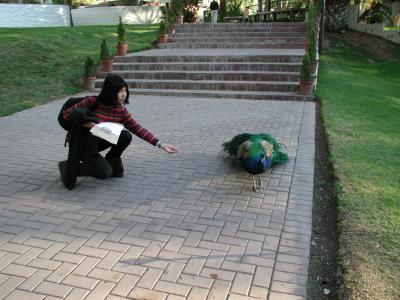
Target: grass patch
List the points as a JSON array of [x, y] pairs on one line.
[[46, 63], [360, 97], [392, 28]]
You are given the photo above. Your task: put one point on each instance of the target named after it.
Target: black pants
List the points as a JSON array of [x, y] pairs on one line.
[[94, 164]]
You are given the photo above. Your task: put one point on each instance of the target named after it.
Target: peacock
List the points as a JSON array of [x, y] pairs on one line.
[[257, 153]]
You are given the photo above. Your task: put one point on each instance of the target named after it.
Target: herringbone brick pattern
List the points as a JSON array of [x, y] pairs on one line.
[[186, 226]]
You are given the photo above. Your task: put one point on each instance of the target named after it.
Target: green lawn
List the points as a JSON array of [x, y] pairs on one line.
[[38, 65], [360, 97], [392, 28]]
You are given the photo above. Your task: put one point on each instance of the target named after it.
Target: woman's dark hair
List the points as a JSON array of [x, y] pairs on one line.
[[109, 92]]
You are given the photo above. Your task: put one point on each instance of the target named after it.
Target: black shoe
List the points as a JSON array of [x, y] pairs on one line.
[[117, 167], [62, 167]]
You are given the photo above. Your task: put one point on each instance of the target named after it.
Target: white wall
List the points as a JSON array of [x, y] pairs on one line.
[[33, 15], [110, 15], [376, 29]]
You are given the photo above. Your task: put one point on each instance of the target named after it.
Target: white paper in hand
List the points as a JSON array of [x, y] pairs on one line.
[[108, 131]]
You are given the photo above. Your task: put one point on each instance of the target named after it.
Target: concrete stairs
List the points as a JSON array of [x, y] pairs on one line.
[[238, 35], [258, 61]]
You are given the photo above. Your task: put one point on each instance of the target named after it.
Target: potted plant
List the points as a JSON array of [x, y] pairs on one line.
[[122, 46], [214, 11], [105, 57], [178, 7], [306, 84], [164, 27], [312, 50], [89, 75]]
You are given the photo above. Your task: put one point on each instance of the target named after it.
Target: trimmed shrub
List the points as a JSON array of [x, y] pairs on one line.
[[312, 45], [104, 52], [305, 71], [89, 67], [121, 33]]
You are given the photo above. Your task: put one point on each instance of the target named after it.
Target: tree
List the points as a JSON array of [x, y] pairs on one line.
[[336, 11]]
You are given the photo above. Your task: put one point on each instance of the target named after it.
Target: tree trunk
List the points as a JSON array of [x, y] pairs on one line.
[[69, 3], [222, 8]]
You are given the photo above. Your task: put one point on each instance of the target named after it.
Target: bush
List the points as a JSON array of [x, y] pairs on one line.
[[214, 5], [129, 2], [121, 33], [377, 13], [233, 8], [89, 68], [104, 52], [311, 24], [305, 71], [187, 8]]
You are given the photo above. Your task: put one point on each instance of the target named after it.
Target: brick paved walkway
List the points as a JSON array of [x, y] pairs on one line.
[[186, 226]]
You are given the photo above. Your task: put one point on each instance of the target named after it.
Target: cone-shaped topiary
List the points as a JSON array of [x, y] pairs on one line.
[[305, 71], [311, 28], [104, 52], [312, 45], [164, 26], [177, 7], [89, 68], [121, 33]]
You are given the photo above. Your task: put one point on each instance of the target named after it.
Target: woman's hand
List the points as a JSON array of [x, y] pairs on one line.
[[89, 125], [168, 148]]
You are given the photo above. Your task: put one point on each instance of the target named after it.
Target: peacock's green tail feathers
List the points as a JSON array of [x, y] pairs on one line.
[[278, 156]]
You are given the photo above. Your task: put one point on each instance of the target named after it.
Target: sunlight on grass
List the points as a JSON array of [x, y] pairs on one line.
[[47, 63], [392, 28], [360, 96]]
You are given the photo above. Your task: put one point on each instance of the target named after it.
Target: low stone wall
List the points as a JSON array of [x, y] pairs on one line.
[[110, 15], [33, 15], [36, 15], [376, 29]]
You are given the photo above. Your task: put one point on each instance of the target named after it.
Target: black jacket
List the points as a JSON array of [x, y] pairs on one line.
[[79, 139]]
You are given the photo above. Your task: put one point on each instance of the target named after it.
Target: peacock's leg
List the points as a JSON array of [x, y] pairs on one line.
[[254, 184], [261, 181]]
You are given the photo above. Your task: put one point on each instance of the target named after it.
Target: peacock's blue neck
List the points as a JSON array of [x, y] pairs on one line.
[[257, 164]]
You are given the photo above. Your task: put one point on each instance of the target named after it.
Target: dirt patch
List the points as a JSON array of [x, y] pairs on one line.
[[322, 281], [378, 47]]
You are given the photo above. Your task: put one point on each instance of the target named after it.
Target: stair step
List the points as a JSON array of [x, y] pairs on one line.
[[251, 40], [239, 34], [260, 45], [250, 95], [234, 30], [270, 86], [210, 75], [211, 58], [206, 66], [241, 26]]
